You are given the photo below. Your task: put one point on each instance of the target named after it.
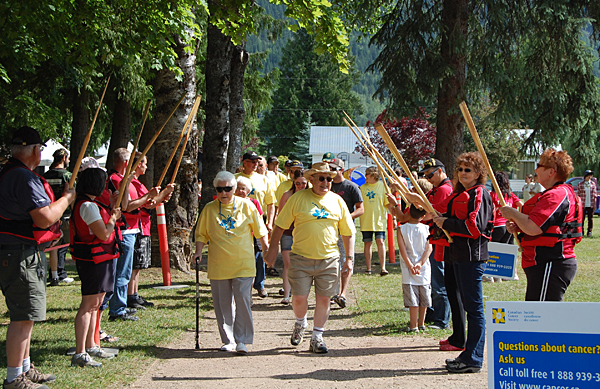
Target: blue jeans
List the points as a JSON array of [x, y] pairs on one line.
[[259, 280], [439, 312], [118, 301], [468, 278]]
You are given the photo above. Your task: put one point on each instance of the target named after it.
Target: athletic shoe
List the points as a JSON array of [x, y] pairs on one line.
[[262, 293], [462, 368], [228, 347], [55, 282], [134, 304], [99, 352], [22, 382], [317, 346], [437, 327], [449, 347], [67, 280], [452, 361], [298, 334], [124, 316], [422, 328], [83, 360], [241, 349], [34, 375], [145, 302]]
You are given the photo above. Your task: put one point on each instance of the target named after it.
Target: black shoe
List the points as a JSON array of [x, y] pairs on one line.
[[262, 293], [134, 304], [145, 303], [54, 282], [462, 368], [124, 316]]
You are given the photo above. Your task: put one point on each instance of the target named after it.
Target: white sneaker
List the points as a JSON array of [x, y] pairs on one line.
[[241, 349], [67, 280], [228, 347]]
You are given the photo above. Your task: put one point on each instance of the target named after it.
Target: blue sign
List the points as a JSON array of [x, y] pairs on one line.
[[546, 360], [502, 260]]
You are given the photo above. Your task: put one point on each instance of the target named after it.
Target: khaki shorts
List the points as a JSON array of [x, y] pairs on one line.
[[23, 281], [303, 271], [416, 295]]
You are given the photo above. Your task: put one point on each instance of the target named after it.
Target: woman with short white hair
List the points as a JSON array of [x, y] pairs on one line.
[[229, 222]]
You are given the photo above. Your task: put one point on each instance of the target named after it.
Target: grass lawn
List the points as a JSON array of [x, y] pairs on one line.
[[380, 303], [140, 341]]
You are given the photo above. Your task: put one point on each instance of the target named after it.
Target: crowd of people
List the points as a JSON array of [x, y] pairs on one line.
[[306, 214]]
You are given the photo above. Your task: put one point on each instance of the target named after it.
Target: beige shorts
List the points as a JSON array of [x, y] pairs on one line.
[[303, 271], [416, 295]]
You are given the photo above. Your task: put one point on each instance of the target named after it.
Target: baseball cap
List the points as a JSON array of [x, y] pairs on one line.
[[88, 163], [60, 153], [328, 156], [272, 159], [25, 136], [431, 162], [336, 162], [250, 155], [588, 173], [296, 163], [288, 163]]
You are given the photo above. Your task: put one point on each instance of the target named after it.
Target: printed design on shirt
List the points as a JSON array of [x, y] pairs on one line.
[[319, 213], [371, 195], [228, 223], [252, 192]]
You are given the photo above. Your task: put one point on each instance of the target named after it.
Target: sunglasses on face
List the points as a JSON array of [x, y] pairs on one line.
[[223, 188], [539, 165], [466, 170], [334, 169], [329, 179], [428, 176]]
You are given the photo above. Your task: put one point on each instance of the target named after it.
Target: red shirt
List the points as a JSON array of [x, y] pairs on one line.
[[114, 180], [510, 200], [144, 213], [440, 195]]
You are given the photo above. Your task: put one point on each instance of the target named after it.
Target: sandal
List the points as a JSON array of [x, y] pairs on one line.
[[107, 338], [285, 301], [272, 272], [384, 273], [368, 272], [341, 301]]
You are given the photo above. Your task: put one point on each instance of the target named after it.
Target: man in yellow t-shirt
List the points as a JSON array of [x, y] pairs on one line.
[[273, 172], [374, 219], [318, 214]]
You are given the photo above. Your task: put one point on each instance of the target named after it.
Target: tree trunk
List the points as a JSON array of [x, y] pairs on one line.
[[121, 127], [449, 142], [81, 123], [239, 61], [181, 209], [216, 127]]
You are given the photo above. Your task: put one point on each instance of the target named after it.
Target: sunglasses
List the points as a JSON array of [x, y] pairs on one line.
[[333, 169], [428, 176], [539, 165], [466, 170], [329, 179], [224, 188]]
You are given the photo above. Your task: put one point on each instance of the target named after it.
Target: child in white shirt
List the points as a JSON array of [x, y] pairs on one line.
[[416, 271]]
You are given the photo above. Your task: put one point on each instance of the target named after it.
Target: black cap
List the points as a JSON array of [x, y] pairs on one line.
[[296, 163], [25, 136], [251, 155], [288, 163], [272, 159], [588, 173], [431, 162]]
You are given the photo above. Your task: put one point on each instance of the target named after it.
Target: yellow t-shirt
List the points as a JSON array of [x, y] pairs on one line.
[[281, 189], [229, 234], [261, 189], [317, 221], [375, 201]]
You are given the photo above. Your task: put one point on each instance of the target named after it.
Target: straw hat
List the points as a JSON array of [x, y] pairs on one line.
[[319, 167]]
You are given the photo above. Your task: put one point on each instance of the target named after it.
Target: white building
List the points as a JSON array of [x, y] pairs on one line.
[[339, 141]]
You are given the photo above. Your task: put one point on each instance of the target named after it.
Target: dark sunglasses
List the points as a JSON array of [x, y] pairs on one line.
[[539, 165], [466, 170], [224, 188], [329, 179], [428, 176]]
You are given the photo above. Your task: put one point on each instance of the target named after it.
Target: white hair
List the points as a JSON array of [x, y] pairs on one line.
[[225, 177], [16, 150], [244, 181]]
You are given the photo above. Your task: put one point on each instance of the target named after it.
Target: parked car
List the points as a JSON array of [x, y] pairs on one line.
[[574, 182]]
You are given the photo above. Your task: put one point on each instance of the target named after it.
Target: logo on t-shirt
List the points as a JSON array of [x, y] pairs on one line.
[[252, 192], [319, 213], [371, 195], [227, 222]]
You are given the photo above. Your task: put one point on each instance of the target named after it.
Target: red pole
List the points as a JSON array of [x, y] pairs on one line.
[[391, 237], [165, 262]]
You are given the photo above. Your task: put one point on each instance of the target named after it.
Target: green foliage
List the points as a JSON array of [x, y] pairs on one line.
[[309, 84], [529, 58]]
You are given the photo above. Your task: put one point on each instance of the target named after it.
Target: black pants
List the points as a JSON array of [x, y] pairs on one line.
[[501, 235], [589, 213], [459, 335], [549, 281]]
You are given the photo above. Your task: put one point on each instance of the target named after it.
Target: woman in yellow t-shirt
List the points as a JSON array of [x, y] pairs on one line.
[[229, 222], [374, 220]]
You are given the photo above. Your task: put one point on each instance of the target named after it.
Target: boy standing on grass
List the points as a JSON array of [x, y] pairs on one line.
[[416, 272]]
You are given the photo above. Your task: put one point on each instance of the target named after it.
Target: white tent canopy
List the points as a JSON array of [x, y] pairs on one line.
[[51, 147]]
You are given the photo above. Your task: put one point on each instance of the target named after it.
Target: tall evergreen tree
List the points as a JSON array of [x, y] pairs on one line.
[[310, 84], [527, 56]]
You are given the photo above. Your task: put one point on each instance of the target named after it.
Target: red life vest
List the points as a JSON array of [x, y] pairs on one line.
[[26, 229], [85, 246], [570, 229]]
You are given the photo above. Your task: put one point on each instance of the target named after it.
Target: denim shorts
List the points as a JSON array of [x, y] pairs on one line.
[[368, 235], [286, 242]]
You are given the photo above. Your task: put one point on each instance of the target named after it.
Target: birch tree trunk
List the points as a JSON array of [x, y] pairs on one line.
[[239, 62]]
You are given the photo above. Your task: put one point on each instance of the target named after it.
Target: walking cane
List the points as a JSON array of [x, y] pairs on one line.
[[197, 302]]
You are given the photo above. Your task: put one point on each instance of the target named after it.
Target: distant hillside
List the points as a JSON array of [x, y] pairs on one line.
[[364, 55]]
